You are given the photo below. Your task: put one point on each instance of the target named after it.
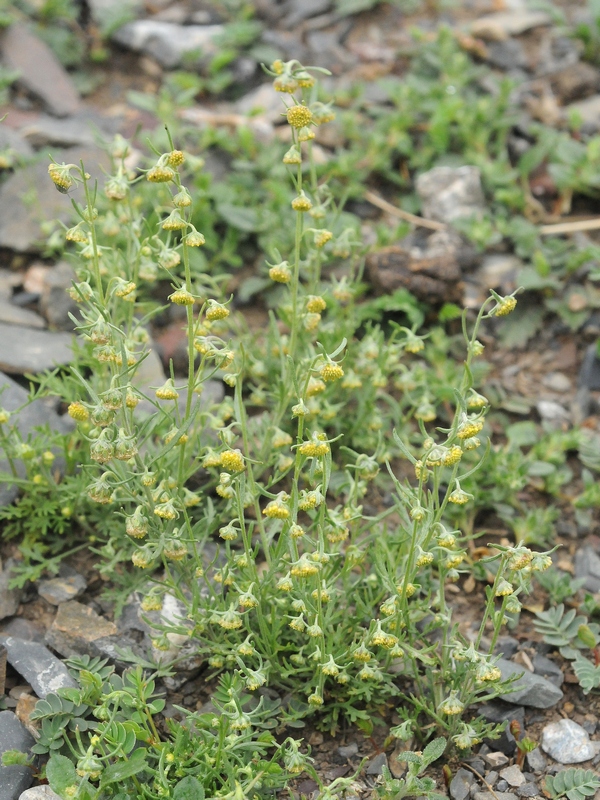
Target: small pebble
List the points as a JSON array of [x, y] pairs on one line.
[[502, 785], [491, 778], [495, 760], [348, 751], [376, 764], [528, 790], [512, 775]]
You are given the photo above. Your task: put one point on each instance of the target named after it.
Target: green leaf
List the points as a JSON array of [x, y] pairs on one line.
[[522, 434], [61, 774], [244, 219], [433, 751], [188, 788], [125, 769]]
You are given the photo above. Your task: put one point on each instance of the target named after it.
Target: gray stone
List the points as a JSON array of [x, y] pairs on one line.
[[39, 793], [9, 598], [587, 567], [507, 54], [495, 796], [167, 42], [531, 690], [499, 271], [491, 777], [40, 72], [28, 198], [13, 141], [553, 413], [461, 784], [22, 628], [11, 314], [449, 193], [503, 24], [14, 736], [46, 130], [67, 586], [513, 775], [502, 785], [376, 765], [557, 382], [545, 667], [27, 350], [536, 761], [506, 647], [56, 304], [42, 670], [528, 790], [298, 12], [568, 743], [76, 629], [348, 751], [495, 760], [589, 374], [26, 416], [262, 101]]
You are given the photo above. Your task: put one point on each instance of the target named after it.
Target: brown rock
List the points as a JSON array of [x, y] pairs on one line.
[[25, 705], [76, 628], [40, 72], [575, 82], [427, 264]]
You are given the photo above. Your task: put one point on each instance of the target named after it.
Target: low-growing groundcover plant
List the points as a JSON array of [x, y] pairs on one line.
[[259, 515]]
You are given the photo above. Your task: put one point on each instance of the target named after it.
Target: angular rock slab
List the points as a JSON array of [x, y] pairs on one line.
[[451, 193], [40, 72], [28, 198], [27, 350], [41, 669], [531, 690], [168, 42], [14, 736], [9, 598], [76, 629], [27, 418], [568, 743]]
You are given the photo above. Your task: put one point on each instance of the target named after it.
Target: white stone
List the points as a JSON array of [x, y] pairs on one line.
[[39, 793], [503, 24], [167, 42], [568, 743]]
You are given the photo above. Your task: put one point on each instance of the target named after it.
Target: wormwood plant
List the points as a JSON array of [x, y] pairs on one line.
[[251, 514], [105, 741]]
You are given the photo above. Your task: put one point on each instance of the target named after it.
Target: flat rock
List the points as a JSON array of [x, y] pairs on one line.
[[22, 628], [589, 374], [376, 765], [348, 751], [170, 44], [495, 796], [503, 24], [47, 130], [40, 72], [531, 690], [547, 668], [34, 662], [9, 598], [552, 412], [536, 761], [568, 743], [27, 350], [461, 784], [11, 140], [575, 82], [28, 198], [14, 736], [499, 271], [557, 382], [11, 314], [67, 586], [76, 628], [27, 417], [513, 775], [587, 567], [496, 759], [262, 101], [56, 304], [451, 193], [39, 793]]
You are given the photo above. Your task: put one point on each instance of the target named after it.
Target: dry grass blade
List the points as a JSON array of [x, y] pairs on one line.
[[375, 200]]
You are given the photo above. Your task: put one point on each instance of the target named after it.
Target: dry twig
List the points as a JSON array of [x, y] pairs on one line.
[[375, 200]]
